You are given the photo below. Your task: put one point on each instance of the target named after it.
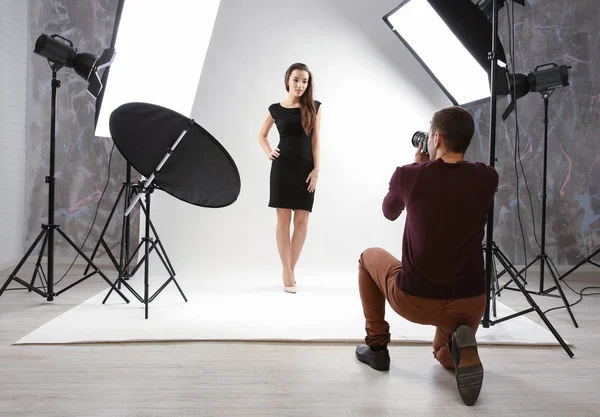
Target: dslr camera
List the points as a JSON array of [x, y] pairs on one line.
[[420, 137]]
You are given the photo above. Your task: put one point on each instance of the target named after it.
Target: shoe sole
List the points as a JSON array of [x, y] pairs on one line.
[[469, 371]]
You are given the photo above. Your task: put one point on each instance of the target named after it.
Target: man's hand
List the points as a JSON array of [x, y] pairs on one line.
[[420, 156]]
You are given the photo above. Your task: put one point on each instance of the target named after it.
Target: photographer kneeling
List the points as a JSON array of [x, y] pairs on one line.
[[441, 279]]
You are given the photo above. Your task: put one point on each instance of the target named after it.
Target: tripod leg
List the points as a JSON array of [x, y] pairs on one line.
[[168, 264], [514, 270], [160, 250], [135, 252], [101, 238], [495, 286], [89, 261], [542, 316], [120, 279], [172, 278], [110, 255], [180, 290], [6, 284], [38, 264], [588, 259], [545, 319], [562, 294], [13, 275], [118, 282]]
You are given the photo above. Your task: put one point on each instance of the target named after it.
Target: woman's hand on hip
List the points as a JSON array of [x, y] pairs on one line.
[[274, 154]]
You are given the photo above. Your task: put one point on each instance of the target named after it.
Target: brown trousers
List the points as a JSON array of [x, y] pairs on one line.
[[377, 274]]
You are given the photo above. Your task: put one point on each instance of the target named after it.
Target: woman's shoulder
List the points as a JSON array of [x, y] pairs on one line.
[[273, 109], [317, 104]]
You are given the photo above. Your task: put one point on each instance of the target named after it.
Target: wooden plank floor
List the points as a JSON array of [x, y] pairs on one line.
[[260, 379]]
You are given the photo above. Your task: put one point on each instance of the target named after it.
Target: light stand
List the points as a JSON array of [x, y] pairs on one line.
[[545, 81], [149, 245], [197, 170], [543, 256], [47, 236], [490, 247], [127, 190], [147, 187]]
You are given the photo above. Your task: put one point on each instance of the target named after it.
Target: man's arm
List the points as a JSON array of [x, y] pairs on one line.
[[393, 204]]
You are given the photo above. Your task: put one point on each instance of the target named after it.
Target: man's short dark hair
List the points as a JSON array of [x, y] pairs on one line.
[[456, 125]]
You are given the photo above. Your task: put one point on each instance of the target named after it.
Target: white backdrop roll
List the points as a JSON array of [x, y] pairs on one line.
[[375, 96]]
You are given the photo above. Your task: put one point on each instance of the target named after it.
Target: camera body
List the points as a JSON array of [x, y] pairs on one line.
[[420, 137]]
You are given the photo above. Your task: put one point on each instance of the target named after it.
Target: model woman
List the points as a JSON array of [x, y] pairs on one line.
[[295, 164]]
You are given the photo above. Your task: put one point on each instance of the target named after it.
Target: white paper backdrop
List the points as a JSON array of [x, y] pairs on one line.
[[375, 96]]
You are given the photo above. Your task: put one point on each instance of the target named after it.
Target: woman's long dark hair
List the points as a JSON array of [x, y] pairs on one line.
[[307, 104]]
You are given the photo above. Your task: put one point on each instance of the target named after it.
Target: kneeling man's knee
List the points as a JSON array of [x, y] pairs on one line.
[[369, 253]]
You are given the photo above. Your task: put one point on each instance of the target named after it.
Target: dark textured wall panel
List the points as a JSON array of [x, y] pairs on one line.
[[563, 32], [82, 168]]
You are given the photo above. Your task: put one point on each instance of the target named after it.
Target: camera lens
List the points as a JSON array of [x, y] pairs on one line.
[[420, 137]]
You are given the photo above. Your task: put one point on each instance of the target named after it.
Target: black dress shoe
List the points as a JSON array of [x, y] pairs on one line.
[[376, 359], [468, 368]]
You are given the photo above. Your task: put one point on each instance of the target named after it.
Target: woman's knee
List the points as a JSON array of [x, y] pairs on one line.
[[300, 224], [301, 219]]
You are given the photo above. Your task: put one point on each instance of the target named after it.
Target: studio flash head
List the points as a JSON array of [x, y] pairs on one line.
[[60, 52]]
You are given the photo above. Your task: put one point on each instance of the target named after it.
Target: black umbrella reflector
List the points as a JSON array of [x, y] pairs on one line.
[[198, 171]]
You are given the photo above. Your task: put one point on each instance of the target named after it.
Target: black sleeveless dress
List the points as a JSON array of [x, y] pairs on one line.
[[290, 170]]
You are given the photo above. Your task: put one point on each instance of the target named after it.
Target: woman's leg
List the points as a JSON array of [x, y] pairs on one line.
[[299, 236], [284, 219]]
